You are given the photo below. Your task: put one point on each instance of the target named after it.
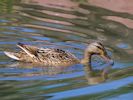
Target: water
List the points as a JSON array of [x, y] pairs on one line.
[[71, 29]]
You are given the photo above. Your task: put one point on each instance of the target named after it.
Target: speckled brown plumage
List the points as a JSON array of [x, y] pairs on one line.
[[56, 57], [45, 56]]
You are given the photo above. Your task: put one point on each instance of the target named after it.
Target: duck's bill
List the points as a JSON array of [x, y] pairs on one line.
[[108, 59]]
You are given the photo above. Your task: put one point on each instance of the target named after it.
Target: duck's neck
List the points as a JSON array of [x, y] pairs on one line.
[[86, 61]]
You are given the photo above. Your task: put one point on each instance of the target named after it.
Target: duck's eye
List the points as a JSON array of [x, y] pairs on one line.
[[99, 47], [53, 56]]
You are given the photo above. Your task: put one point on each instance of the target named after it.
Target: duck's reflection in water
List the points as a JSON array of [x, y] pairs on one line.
[[92, 76], [36, 69], [97, 76]]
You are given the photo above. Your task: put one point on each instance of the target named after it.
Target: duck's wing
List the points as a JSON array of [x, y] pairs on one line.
[[28, 49], [56, 56]]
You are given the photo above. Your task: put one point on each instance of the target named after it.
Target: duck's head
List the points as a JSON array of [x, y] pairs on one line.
[[98, 49]]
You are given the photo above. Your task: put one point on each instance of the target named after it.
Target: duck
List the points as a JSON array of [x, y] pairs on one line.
[[57, 57]]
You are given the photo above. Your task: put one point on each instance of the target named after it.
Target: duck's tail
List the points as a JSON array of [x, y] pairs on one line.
[[11, 55]]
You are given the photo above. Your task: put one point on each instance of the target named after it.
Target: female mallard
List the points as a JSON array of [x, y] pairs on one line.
[[56, 57]]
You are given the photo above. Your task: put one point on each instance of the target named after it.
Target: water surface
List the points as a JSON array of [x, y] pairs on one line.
[[71, 29]]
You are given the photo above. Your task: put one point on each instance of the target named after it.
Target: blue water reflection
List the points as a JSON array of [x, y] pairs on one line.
[[70, 29], [109, 86]]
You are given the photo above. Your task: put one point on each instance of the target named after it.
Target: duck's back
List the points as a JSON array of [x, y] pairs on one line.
[[56, 57]]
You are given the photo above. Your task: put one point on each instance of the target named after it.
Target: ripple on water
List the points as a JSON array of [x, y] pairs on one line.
[[32, 25]]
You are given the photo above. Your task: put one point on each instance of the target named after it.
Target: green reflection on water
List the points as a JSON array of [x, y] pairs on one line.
[[6, 6], [17, 25]]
